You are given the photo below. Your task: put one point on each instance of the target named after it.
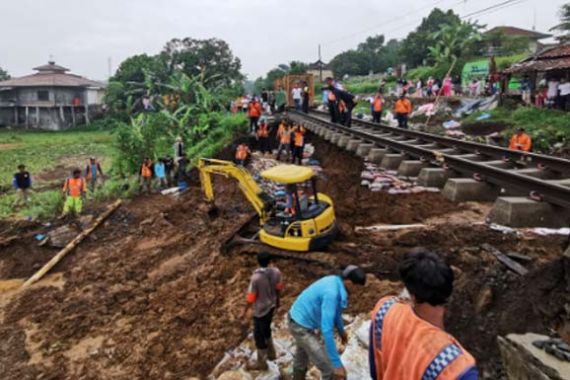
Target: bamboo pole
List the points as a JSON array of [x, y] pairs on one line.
[[74, 243], [438, 95]]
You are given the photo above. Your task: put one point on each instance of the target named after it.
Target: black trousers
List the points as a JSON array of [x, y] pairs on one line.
[[253, 123], [333, 111], [376, 116], [264, 145], [298, 154], [402, 120], [262, 330]]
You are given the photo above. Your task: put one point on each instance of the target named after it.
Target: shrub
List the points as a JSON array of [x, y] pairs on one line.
[[44, 205]]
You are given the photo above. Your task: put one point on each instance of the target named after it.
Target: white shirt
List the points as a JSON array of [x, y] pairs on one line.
[[552, 89], [296, 93], [564, 89]]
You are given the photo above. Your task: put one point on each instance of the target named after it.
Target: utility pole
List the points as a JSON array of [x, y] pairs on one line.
[[109, 67], [320, 62]]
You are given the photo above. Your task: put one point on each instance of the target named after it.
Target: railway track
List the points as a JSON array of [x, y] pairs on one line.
[[530, 189]]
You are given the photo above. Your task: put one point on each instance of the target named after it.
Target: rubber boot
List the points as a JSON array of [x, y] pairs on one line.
[[271, 354], [260, 364]]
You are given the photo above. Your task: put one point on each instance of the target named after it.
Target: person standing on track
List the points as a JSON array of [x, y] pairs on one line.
[[263, 295], [403, 109], [297, 94], [254, 114], [407, 336], [377, 104], [75, 190], [146, 172], [319, 307], [306, 97], [342, 99]]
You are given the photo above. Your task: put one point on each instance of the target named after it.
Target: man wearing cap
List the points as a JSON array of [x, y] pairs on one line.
[[22, 182], [319, 308], [407, 335]]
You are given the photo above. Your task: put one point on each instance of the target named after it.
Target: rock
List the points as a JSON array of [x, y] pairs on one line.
[[523, 361], [484, 299], [235, 375], [61, 236]]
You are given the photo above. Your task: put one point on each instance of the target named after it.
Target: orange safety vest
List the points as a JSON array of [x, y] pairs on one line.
[[403, 106], [523, 140], [262, 130], [407, 347], [74, 187], [254, 109], [146, 171], [299, 136], [285, 136], [242, 152], [377, 104]]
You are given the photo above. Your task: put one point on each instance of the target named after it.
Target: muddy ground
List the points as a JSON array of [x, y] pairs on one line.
[[151, 296]]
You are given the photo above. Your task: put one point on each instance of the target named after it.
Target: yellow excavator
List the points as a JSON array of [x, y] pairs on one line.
[[305, 222]]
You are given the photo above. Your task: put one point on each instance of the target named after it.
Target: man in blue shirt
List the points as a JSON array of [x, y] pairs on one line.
[[319, 307]]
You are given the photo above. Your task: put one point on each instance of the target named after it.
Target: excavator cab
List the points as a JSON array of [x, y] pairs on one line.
[[304, 222]]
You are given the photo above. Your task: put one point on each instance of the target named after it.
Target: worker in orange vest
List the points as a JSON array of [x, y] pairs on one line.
[[403, 109], [254, 114], [377, 104], [146, 174], [242, 154], [407, 336], [298, 132], [74, 189], [284, 137], [263, 137], [521, 141]]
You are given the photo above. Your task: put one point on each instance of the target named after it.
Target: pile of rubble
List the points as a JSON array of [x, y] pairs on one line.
[[354, 355], [378, 179]]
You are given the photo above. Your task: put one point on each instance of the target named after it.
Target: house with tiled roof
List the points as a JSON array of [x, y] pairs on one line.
[[534, 38], [52, 98]]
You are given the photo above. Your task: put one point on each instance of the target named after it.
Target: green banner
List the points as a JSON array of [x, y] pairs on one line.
[[475, 69]]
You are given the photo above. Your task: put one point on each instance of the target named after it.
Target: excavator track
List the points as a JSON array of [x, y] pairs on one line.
[[244, 241]]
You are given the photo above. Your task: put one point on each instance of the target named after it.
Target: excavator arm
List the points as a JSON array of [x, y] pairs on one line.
[[261, 202]]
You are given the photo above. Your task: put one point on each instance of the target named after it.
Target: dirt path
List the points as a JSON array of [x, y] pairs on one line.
[[150, 295]]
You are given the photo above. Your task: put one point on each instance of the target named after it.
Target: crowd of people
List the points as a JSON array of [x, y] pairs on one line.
[[448, 86], [550, 92], [290, 142], [407, 337]]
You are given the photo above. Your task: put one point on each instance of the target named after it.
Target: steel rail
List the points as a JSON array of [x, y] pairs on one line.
[[536, 188], [555, 164]]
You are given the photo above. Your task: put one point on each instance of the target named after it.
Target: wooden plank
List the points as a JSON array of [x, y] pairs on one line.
[[74, 243], [390, 227], [505, 260]]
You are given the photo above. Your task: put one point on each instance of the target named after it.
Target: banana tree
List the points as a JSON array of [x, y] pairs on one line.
[[452, 40]]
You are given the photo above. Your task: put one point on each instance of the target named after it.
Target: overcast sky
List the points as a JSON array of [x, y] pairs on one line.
[[83, 34]]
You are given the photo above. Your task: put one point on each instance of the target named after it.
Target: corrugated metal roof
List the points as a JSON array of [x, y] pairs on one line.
[[550, 59]]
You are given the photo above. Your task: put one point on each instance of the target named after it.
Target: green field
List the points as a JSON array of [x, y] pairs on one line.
[[49, 157]]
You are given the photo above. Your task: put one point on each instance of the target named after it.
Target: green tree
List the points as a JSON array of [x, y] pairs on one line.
[[297, 67], [564, 25], [350, 62], [452, 41], [211, 59], [415, 47], [4, 74]]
